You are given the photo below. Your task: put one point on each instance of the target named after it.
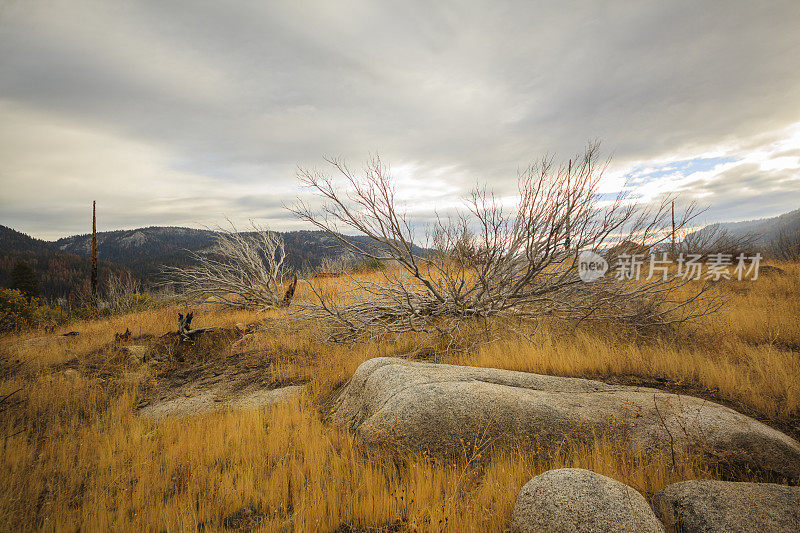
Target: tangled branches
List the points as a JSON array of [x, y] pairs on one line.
[[243, 270], [491, 261]]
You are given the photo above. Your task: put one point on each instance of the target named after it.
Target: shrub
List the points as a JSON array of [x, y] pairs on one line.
[[367, 265], [785, 246], [132, 302], [17, 312], [89, 312]]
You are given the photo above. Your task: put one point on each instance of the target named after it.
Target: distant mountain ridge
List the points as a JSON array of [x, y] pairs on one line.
[[765, 230], [143, 250], [146, 250]]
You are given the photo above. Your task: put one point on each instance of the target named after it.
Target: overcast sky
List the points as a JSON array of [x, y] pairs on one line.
[[182, 113]]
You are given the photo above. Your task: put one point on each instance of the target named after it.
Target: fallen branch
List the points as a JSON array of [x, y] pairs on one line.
[[4, 399]]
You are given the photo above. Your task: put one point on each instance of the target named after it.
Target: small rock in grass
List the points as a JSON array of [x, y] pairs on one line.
[[137, 353], [573, 499], [71, 374]]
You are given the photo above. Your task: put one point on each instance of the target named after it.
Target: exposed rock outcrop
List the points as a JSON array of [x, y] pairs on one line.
[[437, 408]]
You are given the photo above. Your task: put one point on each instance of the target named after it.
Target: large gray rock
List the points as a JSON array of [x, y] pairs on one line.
[[721, 506], [572, 499], [440, 408]]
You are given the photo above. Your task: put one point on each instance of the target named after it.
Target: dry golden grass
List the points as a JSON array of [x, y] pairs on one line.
[[75, 455]]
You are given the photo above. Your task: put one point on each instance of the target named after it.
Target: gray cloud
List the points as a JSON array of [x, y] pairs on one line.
[[180, 112], [768, 192]]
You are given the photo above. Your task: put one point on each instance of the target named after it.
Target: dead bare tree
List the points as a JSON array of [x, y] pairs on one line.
[[488, 262], [785, 246], [93, 278], [244, 270], [122, 291], [336, 264], [714, 239]]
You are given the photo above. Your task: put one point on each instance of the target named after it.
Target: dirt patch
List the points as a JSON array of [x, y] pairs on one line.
[[239, 381], [391, 527], [209, 373], [203, 346], [216, 399], [248, 518]]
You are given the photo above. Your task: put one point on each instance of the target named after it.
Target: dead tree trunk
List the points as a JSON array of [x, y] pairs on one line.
[[184, 322], [94, 254], [289, 294], [673, 228], [184, 330]]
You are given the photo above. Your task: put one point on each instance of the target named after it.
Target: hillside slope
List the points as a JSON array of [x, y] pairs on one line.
[[63, 265], [146, 250], [766, 230], [60, 273]]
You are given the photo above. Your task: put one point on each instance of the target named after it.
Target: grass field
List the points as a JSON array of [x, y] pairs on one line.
[[77, 456]]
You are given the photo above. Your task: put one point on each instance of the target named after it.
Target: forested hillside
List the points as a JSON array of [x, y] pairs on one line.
[[63, 266], [767, 230], [60, 273], [146, 250]]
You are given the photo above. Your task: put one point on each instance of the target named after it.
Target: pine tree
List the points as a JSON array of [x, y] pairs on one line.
[[23, 278]]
